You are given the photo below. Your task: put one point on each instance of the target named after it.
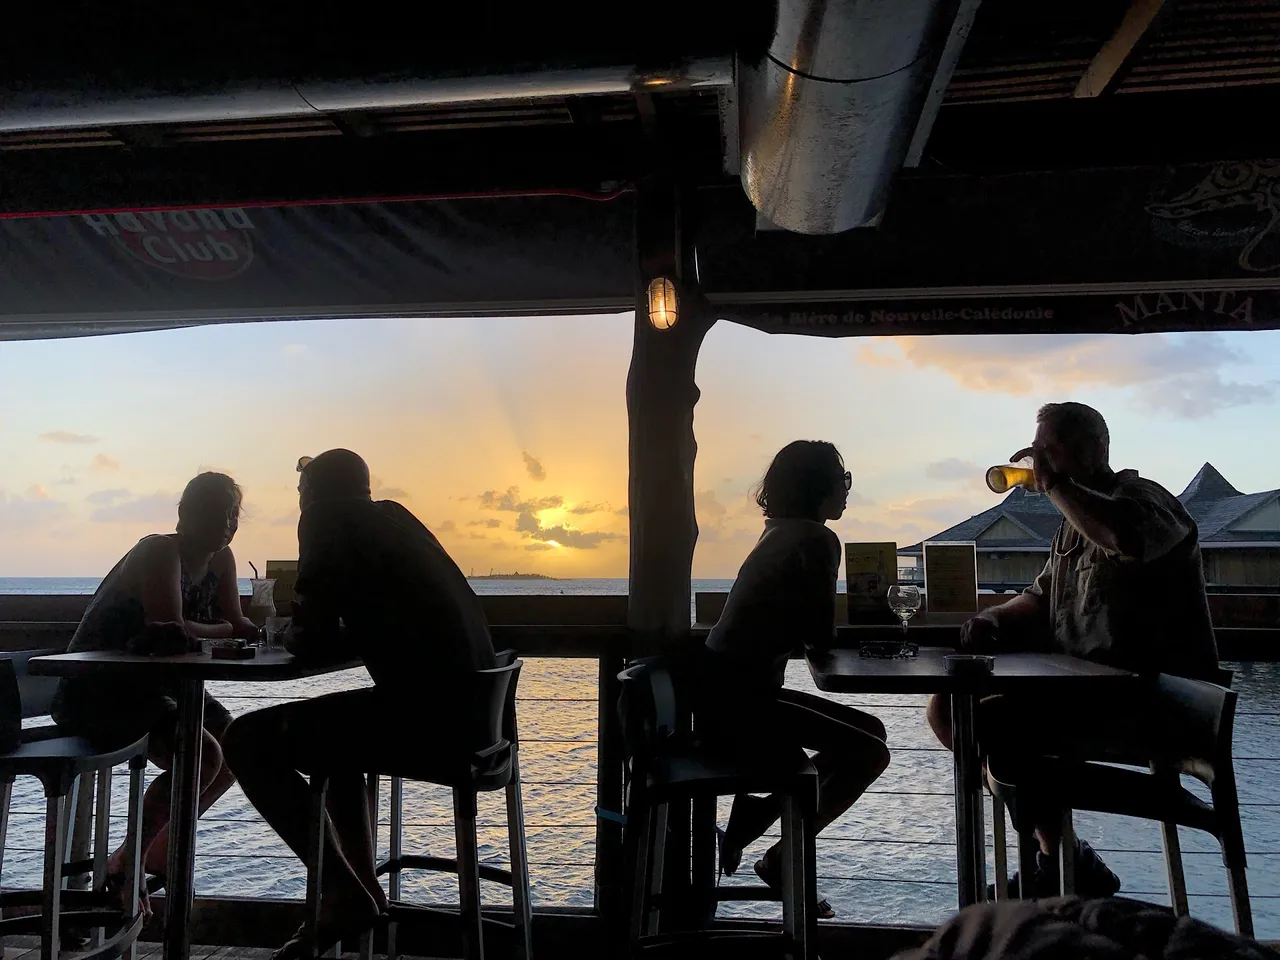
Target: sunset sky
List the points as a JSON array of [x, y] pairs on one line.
[[508, 436]]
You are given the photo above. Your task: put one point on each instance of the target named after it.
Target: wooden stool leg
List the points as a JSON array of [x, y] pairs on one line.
[[315, 860], [1067, 856], [372, 785], [6, 795], [658, 852], [1000, 851], [1173, 869], [1028, 846], [797, 902], [55, 842], [395, 834], [640, 885], [704, 859], [101, 828], [520, 905], [133, 871], [464, 816]]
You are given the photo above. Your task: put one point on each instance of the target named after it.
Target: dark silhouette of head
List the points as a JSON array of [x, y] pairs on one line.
[[1074, 438], [334, 475], [806, 480], [209, 511]]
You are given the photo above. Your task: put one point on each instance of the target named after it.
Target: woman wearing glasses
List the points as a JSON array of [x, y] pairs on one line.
[[782, 602], [168, 592]]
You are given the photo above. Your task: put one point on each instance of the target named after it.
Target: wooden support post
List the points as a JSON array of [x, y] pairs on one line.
[[661, 395]]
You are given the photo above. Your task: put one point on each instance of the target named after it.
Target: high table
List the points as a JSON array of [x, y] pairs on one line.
[[186, 674], [1021, 674]]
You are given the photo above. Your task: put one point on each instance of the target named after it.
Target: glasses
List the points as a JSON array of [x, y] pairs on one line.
[[848, 480], [303, 461]]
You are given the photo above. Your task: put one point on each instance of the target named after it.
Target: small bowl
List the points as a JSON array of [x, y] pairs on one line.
[[970, 664]]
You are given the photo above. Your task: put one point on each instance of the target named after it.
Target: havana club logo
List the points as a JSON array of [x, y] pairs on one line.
[[214, 244]]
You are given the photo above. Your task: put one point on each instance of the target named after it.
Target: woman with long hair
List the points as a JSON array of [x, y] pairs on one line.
[[782, 602]]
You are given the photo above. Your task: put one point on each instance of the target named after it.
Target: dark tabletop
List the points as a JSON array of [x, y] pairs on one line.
[[847, 671], [266, 666]]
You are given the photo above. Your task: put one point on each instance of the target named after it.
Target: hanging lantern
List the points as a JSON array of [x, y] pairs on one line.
[[664, 304]]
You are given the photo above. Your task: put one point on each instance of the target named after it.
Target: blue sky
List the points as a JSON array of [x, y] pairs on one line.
[[508, 436]]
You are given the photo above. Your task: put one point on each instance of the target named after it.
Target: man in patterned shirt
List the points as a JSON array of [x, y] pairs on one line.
[[1123, 585]]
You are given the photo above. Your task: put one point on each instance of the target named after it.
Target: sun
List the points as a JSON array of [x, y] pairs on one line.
[[552, 543]]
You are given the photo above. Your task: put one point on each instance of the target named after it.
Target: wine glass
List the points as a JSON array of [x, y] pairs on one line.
[[904, 601]]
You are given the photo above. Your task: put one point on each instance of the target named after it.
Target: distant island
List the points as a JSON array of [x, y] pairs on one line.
[[509, 576]]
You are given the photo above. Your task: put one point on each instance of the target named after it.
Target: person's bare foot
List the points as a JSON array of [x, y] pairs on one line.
[[342, 916]]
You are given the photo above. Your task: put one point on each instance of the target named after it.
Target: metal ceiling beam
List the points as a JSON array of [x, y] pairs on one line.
[[1112, 63]]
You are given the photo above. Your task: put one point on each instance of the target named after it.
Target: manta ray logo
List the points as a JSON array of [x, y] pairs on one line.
[[199, 244], [1234, 206]]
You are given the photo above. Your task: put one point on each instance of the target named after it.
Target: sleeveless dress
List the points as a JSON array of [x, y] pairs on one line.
[[114, 710]]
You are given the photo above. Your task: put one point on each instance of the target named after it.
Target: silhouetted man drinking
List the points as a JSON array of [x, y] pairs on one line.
[[374, 584], [1123, 585]]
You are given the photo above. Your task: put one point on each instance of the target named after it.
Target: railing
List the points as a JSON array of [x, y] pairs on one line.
[[890, 860]]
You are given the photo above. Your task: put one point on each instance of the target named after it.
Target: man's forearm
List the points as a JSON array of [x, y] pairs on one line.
[[1099, 518], [1020, 612]]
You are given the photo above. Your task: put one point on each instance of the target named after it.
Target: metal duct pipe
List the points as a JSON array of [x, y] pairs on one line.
[[828, 113], [68, 110]]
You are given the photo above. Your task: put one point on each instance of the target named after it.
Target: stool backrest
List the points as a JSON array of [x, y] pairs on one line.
[[492, 704], [1199, 719], [651, 706], [34, 693]]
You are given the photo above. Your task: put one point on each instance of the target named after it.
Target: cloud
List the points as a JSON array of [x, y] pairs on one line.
[[582, 509], [102, 463], [510, 501], [1174, 374], [952, 468], [104, 498], [943, 510], [65, 482], [37, 492], [492, 522], [380, 492], [624, 511], [157, 508], [18, 513], [538, 546], [532, 528], [66, 436], [858, 500], [446, 526], [534, 467]]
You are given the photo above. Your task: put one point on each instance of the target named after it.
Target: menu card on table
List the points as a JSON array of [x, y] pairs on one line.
[[285, 574], [950, 577], [870, 569]]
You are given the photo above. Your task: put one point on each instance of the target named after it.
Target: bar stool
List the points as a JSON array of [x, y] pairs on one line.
[[492, 765], [59, 762], [669, 769], [1200, 721]]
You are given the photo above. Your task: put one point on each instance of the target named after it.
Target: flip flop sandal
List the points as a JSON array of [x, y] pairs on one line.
[[772, 877]]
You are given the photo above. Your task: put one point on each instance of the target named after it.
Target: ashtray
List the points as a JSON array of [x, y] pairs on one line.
[[232, 650], [970, 664], [888, 649]]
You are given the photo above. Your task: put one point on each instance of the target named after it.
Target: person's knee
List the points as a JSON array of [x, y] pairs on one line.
[[211, 758], [938, 716], [241, 741]]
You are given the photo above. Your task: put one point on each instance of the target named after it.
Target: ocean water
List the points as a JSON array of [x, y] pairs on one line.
[[890, 859]]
